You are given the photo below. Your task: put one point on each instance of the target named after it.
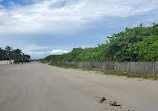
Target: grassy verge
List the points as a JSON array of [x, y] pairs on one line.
[[110, 72]]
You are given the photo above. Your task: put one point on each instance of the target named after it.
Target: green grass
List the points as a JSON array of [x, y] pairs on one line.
[[110, 72]]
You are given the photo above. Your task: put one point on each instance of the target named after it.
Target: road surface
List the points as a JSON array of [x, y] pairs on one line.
[[40, 87]]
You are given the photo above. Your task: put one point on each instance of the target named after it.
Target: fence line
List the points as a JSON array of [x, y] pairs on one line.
[[133, 67], [7, 62]]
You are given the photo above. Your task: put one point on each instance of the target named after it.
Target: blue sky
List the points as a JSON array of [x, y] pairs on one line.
[[44, 27]]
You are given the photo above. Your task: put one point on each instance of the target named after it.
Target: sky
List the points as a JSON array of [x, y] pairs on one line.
[[45, 27]]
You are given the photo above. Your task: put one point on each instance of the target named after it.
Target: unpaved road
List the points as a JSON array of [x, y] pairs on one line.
[[40, 87]]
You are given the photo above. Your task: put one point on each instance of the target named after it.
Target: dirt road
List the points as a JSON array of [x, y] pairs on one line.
[[40, 87]]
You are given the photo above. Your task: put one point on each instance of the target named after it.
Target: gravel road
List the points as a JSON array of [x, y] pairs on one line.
[[40, 87]]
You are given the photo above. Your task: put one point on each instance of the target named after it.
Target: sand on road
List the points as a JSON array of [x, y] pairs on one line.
[[40, 87]]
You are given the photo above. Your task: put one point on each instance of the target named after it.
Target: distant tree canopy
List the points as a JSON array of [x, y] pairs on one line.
[[13, 54], [133, 44]]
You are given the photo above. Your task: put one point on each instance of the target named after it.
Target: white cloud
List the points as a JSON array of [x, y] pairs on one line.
[[41, 51], [37, 55], [58, 51], [57, 15], [42, 54]]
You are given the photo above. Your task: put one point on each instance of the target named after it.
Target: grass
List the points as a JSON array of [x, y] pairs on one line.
[[110, 72]]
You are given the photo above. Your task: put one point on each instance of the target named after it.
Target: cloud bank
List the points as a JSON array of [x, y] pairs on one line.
[[54, 16], [39, 54]]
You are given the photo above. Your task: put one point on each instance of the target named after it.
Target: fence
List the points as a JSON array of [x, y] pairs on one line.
[[133, 67], [7, 62]]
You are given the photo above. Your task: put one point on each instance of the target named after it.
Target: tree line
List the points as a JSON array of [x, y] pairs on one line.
[[133, 44], [13, 54]]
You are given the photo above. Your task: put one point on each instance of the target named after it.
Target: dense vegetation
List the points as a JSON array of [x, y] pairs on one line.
[[133, 44], [13, 54]]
